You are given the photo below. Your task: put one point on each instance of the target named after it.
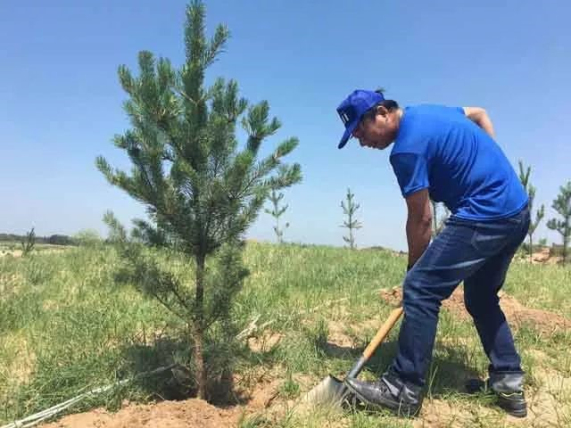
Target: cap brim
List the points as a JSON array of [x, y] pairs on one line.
[[347, 135]]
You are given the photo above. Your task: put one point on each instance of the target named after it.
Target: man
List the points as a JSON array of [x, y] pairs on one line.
[[448, 155]]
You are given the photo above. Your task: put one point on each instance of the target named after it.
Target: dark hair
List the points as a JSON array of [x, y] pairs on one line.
[[390, 105]]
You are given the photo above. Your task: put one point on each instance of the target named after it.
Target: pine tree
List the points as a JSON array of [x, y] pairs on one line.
[[530, 189], [349, 209], [562, 204], [28, 243], [276, 212], [200, 188]]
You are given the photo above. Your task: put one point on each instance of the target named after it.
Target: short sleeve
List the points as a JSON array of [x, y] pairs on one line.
[[411, 171], [460, 110]]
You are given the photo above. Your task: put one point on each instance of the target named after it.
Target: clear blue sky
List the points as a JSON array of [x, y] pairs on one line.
[[60, 100]]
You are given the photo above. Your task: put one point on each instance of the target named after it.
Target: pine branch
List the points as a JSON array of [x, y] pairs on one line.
[[562, 205]]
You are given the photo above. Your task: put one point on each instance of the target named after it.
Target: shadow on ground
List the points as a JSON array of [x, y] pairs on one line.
[[449, 374], [178, 382]]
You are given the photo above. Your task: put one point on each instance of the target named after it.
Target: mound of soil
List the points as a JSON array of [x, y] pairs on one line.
[[260, 391], [543, 256], [516, 313], [191, 413]]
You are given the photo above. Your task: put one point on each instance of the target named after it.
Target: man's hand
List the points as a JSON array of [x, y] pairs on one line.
[[480, 117], [418, 224]]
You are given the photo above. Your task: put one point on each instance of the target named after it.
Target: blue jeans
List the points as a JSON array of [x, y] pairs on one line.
[[478, 253]]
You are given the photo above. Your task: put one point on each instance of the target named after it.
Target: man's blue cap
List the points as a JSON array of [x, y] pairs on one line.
[[352, 109]]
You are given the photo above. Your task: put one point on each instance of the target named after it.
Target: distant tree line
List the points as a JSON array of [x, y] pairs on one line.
[[52, 239]]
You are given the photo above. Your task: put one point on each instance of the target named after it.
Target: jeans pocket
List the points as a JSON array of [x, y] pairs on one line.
[[489, 244], [514, 220], [520, 218]]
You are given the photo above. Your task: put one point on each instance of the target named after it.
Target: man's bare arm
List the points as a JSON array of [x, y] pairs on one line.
[[418, 225], [480, 117]]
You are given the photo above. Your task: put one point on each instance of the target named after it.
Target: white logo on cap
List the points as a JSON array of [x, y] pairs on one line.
[[344, 118]]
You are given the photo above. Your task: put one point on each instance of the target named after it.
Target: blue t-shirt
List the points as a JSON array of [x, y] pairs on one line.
[[438, 148]]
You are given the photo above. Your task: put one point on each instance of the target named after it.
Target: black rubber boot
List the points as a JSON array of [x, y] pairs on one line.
[[388, 393], [512, 402]]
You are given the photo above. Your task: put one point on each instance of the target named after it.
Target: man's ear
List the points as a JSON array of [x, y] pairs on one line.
[[382, 110]]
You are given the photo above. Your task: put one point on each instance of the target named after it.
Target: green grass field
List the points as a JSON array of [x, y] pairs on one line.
[[66, 327]]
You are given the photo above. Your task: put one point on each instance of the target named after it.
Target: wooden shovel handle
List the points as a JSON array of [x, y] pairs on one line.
[[382, 333]]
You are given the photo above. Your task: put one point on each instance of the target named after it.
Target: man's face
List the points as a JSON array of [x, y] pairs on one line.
[[377, 129]]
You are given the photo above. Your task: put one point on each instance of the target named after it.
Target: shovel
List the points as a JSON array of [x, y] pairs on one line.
[[332, 391]]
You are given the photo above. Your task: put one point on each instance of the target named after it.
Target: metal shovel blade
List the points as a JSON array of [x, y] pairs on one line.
[[330, 391]]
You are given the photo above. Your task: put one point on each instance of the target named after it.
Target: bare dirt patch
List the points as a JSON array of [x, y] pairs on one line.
[[13, 253], [337, 334], [546, 401], [546, 408], [259, 391], [168, 414], [439, 414], [543, 256], [516, 313], [265, 341]]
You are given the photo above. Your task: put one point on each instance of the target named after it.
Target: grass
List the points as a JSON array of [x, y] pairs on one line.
[[65, 326]]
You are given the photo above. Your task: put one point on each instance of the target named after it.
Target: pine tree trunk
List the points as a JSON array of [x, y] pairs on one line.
[[565, 235], [530, 248], [198, 330], [565, 243], [351, 239]]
